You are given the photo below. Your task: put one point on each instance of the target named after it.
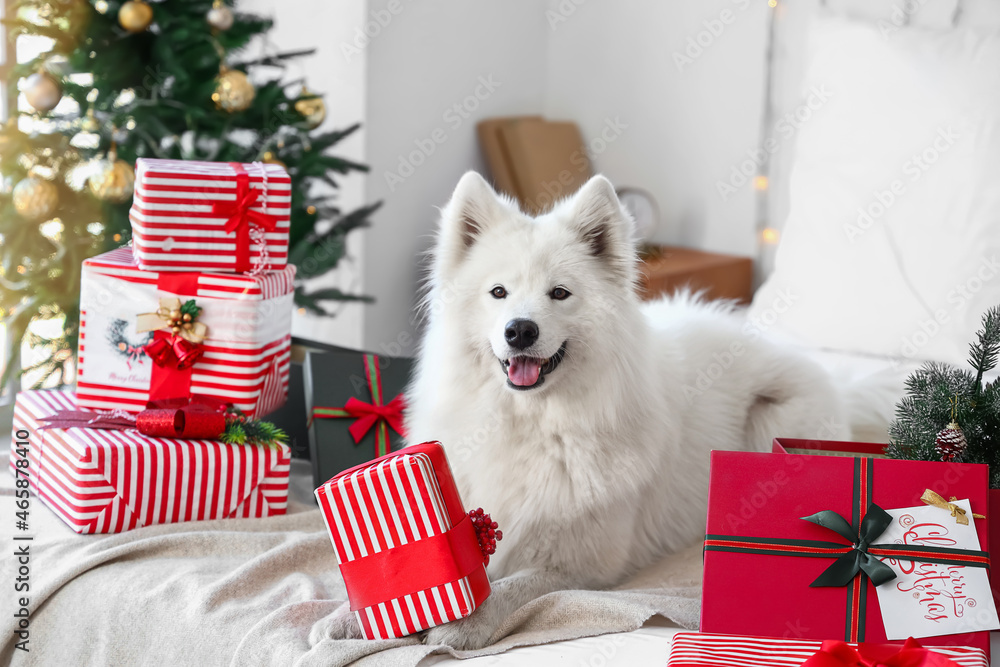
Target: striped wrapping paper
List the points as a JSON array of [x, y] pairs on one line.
[[693, 649], [174, 228], [247, 350], [102, 481], [393, 501]]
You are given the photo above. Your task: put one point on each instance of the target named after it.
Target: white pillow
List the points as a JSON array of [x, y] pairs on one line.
[[892, 245]]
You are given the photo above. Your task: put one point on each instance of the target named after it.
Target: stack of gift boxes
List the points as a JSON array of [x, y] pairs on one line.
[[196, 312], [190, 325]]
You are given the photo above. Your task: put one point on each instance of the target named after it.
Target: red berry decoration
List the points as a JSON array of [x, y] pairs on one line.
[[486, 532]]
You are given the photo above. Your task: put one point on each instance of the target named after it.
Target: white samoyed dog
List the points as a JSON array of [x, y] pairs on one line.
[[580, 417]]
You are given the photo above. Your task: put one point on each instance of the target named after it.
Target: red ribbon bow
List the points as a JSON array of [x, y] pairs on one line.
[[367, 415], [375, 415], [835, 653], [239, 215]]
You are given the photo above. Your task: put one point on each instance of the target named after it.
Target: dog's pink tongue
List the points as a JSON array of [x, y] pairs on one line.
[[524, 371]]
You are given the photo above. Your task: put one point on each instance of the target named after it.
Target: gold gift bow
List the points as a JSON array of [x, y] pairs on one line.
[[935, 499], [161, 320]]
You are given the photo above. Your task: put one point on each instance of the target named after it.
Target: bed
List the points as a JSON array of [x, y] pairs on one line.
[[261, 591]]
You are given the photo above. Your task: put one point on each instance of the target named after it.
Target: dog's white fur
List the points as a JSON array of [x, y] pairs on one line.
[[603, 468]]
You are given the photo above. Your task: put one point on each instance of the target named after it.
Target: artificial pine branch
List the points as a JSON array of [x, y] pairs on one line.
[[241, 430], [926, 407], [984, 352]]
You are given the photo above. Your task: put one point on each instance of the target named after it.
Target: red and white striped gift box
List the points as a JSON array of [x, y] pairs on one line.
[[181, 209], [388, 519], [247, 351], [694, 649], [103, 481]]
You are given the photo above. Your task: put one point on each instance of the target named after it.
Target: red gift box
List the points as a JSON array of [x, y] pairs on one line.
[[210, 216], [109, 481], [874, 449], [760, 557], [692, 649], [407, 550], [244, 358]]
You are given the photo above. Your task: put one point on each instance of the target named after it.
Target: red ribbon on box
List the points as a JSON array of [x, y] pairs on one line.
[[240, 215], [195, 418], [369, 415], [911, 654], [169, 380], [410, 568]]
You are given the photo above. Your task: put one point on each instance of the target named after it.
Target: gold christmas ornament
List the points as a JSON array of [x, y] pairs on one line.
[[113, 180], [219, 16], [314, 109], [233, 91], [269, 158], [89, 123], [43, 91], [35, 198], [135, 16]]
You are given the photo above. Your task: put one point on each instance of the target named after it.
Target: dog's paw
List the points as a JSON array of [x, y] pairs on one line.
[[465, 634], [342, 624]]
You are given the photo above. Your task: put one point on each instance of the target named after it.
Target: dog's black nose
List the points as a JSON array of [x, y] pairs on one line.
[[521, 333]]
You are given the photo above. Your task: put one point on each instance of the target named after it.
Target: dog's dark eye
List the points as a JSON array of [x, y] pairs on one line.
[[499, 292], [559, 293]]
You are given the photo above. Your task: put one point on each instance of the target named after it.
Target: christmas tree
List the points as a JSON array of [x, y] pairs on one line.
[[122, 80], [948, 413]]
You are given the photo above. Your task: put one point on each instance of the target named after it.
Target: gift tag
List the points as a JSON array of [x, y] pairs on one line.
[[931, 599]]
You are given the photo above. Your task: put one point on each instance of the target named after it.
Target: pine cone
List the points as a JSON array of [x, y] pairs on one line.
[[950, 443]]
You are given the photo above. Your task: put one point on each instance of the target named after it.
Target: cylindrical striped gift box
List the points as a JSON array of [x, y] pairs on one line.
[[223, 217], [107, 481], [694, 649], [246, 353], [405, 546]]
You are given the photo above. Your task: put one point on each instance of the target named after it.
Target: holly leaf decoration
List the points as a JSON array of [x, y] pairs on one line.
[[191, 308]]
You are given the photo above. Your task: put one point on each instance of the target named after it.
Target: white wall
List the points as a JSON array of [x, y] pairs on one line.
[[324, 24], [431, 56], [684, 128], [692, 112]]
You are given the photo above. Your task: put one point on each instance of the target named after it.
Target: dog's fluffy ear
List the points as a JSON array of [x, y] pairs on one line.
[[598, 218], [472, 208]]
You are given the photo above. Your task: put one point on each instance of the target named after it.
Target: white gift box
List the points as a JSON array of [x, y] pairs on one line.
[[246, 351]]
